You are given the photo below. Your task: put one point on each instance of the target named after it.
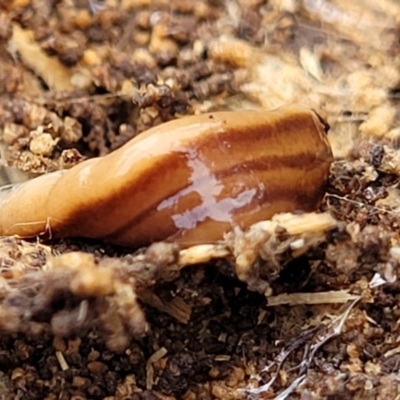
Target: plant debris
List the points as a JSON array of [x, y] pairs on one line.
[[302, 306]]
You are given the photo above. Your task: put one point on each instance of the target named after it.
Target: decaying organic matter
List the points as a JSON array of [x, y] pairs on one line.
[[328, 327]]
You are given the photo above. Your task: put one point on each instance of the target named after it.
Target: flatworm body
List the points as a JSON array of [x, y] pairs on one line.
[[189, 180]]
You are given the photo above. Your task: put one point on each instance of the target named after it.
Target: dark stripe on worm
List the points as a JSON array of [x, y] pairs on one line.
[[271, 194], [302, 201], [154, 177]]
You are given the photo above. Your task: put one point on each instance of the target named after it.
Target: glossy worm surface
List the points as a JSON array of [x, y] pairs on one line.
[[189, 180]]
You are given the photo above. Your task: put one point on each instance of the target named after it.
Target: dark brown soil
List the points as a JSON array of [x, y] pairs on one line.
[[85, 320]]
